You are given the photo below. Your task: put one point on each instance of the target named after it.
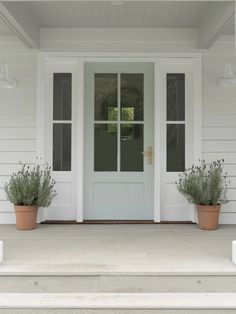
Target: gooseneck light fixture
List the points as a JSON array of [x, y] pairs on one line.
[[229, 78], [5, 81]]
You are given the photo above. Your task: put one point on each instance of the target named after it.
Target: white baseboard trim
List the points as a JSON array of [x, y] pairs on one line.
[[228, 218], [225, 218], [7, 218]]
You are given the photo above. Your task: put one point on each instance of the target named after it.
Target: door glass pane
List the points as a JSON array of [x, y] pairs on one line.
[[61, 147], [62, 96], [131, 147], [105, 101], [105, 147], [175, 147], [132, 96], [176, 97]]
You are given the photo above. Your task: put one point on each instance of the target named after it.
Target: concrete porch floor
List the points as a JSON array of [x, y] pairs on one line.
[[117, 249]]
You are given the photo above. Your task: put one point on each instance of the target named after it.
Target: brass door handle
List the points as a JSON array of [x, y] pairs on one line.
[[148, 153]]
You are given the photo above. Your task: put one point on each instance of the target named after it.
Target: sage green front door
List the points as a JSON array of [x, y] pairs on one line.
[[118, 141]]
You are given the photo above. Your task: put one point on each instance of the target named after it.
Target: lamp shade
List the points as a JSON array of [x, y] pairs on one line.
[[229, 79], [5, 81]]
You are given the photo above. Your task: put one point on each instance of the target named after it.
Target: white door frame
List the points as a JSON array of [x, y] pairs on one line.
[[44, 59]]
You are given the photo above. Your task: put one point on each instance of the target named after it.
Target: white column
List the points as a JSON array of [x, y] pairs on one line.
[[234, 252], [1, 252]]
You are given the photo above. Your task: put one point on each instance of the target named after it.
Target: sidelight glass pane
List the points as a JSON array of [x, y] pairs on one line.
[[62, 84], [175, 97], [105, 96], [175, 147], [132, 96], [61, 147], [131, 147], [105, 147]]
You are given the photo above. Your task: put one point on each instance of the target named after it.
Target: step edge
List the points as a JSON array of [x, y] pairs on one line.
[[118, 300]]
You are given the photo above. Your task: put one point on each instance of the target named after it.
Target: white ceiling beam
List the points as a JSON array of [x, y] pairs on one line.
[[216, 20], [119, 39], [15, 17]]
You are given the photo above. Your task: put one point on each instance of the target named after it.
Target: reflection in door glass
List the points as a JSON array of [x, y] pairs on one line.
[[132, 96], [131, 147], [61, 147], [175, 97], [175, 147], [62, 85], [105, 147], [105, 102]]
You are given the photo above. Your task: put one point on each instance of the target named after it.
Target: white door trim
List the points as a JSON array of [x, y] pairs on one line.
[[157, 143], [174, 206], [156, 58], [79, 186]]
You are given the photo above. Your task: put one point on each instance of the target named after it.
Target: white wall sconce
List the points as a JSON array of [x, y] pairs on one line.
[[117, 2], [5, 81], [229, 78], [234, 252]]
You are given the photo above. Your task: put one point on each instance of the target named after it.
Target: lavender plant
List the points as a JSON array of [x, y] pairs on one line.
[[204, 184], [31, 186]]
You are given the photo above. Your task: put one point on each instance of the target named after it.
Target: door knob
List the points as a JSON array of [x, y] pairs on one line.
[[148, 153]]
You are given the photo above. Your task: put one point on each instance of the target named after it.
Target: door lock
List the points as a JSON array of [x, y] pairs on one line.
[[148, 153]]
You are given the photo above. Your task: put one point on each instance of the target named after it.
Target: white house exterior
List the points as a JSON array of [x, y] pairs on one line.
[[114, 161]]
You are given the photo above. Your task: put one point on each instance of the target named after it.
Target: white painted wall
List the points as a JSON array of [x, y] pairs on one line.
[[219, 118], [17, 116]]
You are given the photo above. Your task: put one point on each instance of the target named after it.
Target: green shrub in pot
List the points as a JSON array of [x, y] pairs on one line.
[[29, 189], [206, 186]]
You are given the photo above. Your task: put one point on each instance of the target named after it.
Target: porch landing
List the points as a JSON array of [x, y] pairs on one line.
[[117, 258], [117, 249]]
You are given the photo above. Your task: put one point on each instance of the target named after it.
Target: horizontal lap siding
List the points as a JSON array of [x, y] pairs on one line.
[[17, 117], [219, 120], [19, 145]]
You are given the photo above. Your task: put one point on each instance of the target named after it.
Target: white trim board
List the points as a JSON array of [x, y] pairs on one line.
[[119, 39], [86, 56], [78, 59], [9, 218]]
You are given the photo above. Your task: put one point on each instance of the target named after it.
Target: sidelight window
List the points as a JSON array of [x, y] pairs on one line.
[[175, 124], [62, 122]]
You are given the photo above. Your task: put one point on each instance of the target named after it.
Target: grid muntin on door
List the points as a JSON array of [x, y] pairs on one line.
[[118, 122]]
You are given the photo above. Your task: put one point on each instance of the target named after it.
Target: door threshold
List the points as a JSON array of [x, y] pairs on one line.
[[115, 222]]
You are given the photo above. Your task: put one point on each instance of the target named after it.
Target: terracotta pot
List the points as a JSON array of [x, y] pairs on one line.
[[208, 217], [26, 217]]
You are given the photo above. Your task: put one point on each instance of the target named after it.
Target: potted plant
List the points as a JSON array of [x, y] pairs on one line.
[[205, 186], [29, 189]]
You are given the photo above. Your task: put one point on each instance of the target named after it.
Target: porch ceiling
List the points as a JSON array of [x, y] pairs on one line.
[[54, 14], [210, 19]]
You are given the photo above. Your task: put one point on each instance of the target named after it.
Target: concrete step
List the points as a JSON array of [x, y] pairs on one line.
[[162, 302], [91, 283]]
